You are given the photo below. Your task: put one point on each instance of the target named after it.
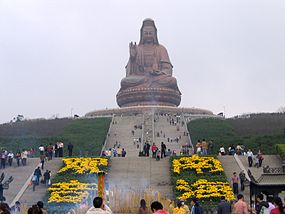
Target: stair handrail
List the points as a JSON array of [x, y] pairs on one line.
[[189, 135], [108, 134]]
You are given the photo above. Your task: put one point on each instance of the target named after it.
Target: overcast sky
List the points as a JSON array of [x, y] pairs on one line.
[[58, 57]]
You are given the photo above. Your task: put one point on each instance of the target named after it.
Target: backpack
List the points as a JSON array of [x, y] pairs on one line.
[[264, 210], [34, 178]]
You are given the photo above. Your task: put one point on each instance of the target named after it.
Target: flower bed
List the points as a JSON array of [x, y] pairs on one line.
[[84, 165], [204, 189], [76, 181], [201, 177], [200, 164], [70, 192]]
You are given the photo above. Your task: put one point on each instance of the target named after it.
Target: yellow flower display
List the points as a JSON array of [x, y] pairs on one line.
[[83, 165], [198, 163], [70, 192], [203, 189]]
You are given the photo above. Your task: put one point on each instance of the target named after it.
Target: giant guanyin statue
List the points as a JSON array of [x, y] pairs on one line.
[[149, 79]]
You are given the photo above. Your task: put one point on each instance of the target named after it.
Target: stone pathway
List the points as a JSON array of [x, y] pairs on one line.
[[22, 176], [137, 173], [30, 197], [121, 132], [230, 165]]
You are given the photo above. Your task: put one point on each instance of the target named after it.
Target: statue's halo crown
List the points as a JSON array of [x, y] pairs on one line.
[[148, 22]]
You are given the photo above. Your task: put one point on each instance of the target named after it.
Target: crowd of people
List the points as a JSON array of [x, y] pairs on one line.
[[20, 158], [203, 147], [37, 208], [239, 206], [253, 160], [8, 157]]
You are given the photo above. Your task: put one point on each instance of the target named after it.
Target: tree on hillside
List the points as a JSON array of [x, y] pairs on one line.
[[281, 109], [19, 118]]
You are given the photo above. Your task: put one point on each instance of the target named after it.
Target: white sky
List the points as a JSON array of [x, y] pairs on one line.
[[63, 55]]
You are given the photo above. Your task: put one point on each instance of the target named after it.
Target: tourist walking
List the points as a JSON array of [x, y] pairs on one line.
[[260, 158], [222, 150], [179, 209], [249, 157], [16, 209], [60, 149], [240, 206], [277, 202], [124, 153], [34, 181], [185, 206], [153, 149], [235, 181], [242, 179], [42, 159], [18, 158], [196, 208], [10, 158], [224, 207], [70, 149], [157, 208], [24, 157], [163, 150], [47, 178], [262, 207], [40, 205], [143, 208], [99, 207], [38, 173]]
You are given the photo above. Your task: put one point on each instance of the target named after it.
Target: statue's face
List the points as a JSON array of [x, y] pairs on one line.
[[148, 34]]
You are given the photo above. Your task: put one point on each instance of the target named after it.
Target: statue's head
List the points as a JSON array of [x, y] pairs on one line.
[[148, 32]]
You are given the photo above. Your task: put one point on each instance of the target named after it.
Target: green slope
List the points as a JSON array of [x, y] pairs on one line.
[[257, 132], [87, 135]]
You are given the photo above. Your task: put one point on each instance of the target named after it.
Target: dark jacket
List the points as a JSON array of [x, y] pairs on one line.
[[260, 205], [224, 207]]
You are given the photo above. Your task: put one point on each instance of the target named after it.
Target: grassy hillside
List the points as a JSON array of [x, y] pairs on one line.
[[87, 135], [259, 131]]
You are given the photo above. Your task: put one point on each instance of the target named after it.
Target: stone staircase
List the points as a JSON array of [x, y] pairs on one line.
[[269, 160], [166, 132], [121, 133], [138, 173], [22, 176], [230, 165]]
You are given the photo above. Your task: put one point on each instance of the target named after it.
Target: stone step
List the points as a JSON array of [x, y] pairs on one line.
[[139, 173], [22, 176], [30, 197], [269, 160]]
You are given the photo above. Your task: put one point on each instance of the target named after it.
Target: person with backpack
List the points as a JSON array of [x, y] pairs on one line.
[[262, 206]]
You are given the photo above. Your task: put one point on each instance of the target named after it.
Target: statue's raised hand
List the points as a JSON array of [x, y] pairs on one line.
[[133, 50]]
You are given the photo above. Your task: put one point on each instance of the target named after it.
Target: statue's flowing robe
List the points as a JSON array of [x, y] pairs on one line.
[[138, 70]]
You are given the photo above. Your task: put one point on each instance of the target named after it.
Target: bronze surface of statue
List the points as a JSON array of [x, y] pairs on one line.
[[148, 78]]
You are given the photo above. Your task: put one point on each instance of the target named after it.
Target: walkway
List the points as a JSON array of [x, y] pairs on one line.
[[22, 176], [230, 165], [137, 173]]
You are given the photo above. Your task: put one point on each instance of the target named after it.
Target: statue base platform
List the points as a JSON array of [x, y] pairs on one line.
[[148, 96], [134, 110]]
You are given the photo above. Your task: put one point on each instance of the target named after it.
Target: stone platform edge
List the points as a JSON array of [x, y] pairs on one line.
[[141, 109]]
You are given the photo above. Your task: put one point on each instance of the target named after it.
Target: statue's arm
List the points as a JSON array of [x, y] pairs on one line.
[[130, 67], [165, 64]]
